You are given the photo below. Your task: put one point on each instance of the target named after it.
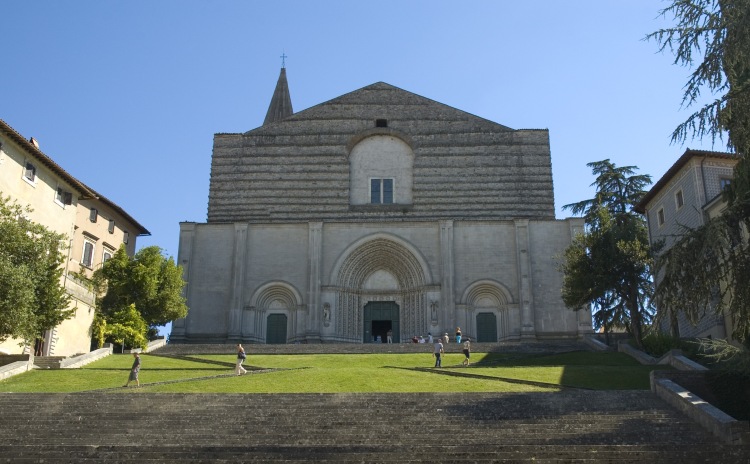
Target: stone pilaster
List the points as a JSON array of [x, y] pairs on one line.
[[238, 279], [528, 331], [314, 258], [585, 325], [184, 257], [447, 303]]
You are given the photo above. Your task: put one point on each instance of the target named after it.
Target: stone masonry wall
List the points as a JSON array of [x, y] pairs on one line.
[[297, 169]]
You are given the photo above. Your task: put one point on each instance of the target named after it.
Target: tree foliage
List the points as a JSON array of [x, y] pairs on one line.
[[609, 266], [148, 280], [32, 298], [126, 327], [708, 269], [715, 34]]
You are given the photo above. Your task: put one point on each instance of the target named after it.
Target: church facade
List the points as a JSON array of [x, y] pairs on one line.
[[377, 211]]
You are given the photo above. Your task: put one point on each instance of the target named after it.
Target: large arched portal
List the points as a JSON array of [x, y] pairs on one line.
[[381, 269]]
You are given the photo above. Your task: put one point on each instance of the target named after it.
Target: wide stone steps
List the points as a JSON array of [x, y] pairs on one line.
[[568, 426], [48, 362], [394, 453]]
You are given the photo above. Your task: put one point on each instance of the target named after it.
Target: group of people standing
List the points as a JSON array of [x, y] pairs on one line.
[[439, 348]]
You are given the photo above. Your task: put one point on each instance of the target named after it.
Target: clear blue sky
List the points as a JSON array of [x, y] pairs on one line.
[[126, 95]]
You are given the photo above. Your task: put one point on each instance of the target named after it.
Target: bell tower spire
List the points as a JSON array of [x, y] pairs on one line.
[[281, 102]]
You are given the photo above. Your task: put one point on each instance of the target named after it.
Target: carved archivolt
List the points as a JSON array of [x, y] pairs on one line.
[[282, 293], [487, 293], [490, 296], [380, 253]]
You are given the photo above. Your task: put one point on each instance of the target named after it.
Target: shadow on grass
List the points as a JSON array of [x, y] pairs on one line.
[[194, 359], [455, 373], [120, 369]]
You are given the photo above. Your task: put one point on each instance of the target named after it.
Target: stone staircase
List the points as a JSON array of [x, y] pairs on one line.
[[569, 426], [48, 362]]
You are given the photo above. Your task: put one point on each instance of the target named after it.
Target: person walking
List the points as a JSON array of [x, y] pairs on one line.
[[134, 370], [458, 335], [438, 352], [241, 356], [445, 338], [467, 351]]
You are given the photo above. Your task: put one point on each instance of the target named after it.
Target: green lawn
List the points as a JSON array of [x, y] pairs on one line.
[[330, 373]]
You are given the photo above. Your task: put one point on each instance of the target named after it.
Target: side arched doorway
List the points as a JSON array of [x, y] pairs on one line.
[[379, 318], [486, 328], [276, 329]]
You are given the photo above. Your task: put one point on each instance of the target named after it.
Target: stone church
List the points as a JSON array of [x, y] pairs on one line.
[[380, 210]]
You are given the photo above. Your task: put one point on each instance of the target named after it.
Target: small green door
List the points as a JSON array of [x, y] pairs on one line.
[[486, 327], [276, 329]]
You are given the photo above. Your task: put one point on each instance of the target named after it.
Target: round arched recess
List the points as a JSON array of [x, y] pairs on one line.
[[381, 171], [489, 302], [381, 251], [489, 291], [404, 275], [277, 291], [272, 313]]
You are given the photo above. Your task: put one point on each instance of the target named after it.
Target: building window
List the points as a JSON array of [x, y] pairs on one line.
[[381, 191], [125, 237], [107, 255], [660, 216], [679, 199], [381, 123], [63, 196], [111, 227], [29, 172], [88, 254], [93, 214], [724, 182]]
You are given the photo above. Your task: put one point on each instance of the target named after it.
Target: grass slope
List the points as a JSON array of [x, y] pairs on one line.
[[333, 373]]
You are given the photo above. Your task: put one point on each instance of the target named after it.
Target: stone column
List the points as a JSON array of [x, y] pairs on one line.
[[184, 256], [238, 282], [447, 306], [314, 258], [526, 302]]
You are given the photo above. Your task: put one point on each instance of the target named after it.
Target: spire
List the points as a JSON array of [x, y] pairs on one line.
[[281, 102]]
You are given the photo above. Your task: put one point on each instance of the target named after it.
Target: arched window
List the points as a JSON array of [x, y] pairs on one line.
[[381, 171]]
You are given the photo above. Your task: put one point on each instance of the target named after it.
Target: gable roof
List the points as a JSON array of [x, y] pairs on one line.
[[381, 95], [85, 192], [672, 171]]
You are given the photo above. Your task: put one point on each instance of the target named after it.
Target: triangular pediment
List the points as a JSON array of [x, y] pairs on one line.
[[385, 101]]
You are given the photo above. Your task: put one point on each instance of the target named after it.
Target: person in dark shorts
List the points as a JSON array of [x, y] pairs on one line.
[[437, 353], [467, 351], [134, 371]]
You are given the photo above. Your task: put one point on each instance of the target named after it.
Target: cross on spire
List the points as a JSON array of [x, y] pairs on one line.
[[283, 59]]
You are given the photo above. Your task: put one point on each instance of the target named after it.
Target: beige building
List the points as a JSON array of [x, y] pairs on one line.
[[686, 196], [94, 225], [377, 211]]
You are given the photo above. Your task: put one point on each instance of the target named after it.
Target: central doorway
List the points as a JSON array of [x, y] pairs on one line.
[[379, 318]]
